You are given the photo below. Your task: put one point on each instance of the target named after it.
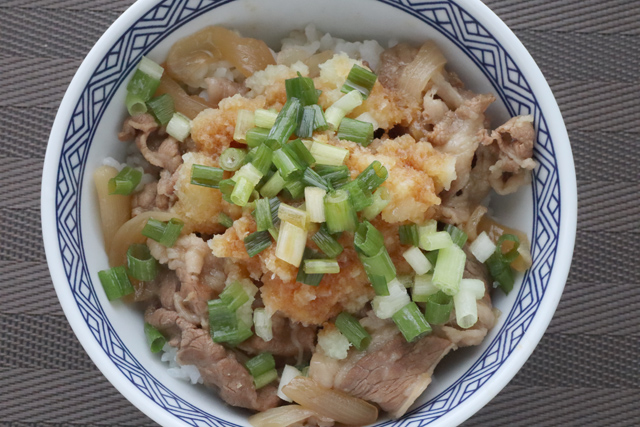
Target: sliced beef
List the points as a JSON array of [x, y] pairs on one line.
[[219, 88], [168, 322], [391, 373], [162, 288]]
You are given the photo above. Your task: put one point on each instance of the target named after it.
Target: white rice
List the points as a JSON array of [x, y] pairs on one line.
[[182, 372]]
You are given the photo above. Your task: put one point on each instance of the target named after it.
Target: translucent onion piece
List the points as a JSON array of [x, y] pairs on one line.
[[494, 230], [314, 61], [284, 416], [190, 106], [131, 232], [418, 72], [190, 57], [330, 403], [115, 209]]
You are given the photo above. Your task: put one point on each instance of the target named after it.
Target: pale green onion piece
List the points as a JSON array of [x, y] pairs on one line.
[[273, 186], [326, 154], [231, 159], [423, 287], [417, 260], [482, 248], [426, 229], [449, 268], [314, 200], [406, 280], [150, 68], [265, 379], [250, 173], [475, 286], [386, 306], [265, 118], [135, 104], [244, 122], [295, 216], [339, 212], [256, 136], [381, 199], [179, 127], [260, 364], [321, 266], [234, 295], [262, 324], [288, 373], [367, 117], [355, 131], [343, 106], [466, 308], [291, 243], [242, 191], [125, 182], [437, 240]]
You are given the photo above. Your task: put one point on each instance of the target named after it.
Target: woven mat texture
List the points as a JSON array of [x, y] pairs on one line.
[[586, 369]]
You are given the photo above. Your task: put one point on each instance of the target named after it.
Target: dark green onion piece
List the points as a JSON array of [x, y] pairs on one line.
[[225, 220], [264, 220], [411, 322], [300, 151], [115, 282], [309, 279], [155, 339], [339, 212], [274, 202], [432, 256], [142, 86], [273, 186], [359, 79], [409, 234], [438, 308], [257, 242], [306, 126], [500, 271], [287, 163], [165, 233], [336, 176], [301, 88], [234, 296], [262, 159], [379, 264], [312, 179], [232, 337], [458, 236], [295, 188], [380, 285], [356, 131], [154, 229], [226, 187], [368, 239], [231, 159], [260, 364], [206, 176], [320, 123], [510, 256], [256, 136], [353, 330], [359, 198], [264, 379], [286, 124], [327, 243], [162, 108], [373, 176], [125, 181], [140, 264]]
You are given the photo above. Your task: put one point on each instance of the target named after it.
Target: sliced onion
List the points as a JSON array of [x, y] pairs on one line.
[[418, 72], [283, 416], [190, 106], [115, 209], [130, 233], [330, 403]]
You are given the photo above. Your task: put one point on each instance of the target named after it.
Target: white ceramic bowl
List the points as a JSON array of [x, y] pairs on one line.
[[479, 47]]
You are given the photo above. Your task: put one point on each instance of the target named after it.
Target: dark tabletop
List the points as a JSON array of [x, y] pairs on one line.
[[586, 369]]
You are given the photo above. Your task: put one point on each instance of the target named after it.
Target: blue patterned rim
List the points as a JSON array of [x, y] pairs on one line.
[[449, 19]]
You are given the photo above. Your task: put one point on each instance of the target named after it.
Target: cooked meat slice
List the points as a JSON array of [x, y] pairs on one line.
[[162, 287], [221, 369], [143, 123], [391, 372], [167, 322], [219, 88], [144, 200], [165, 190]]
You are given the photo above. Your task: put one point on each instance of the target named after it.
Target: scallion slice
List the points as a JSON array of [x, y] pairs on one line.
[[386, 306], [263, 215], [262, 159], [305, 128], [381, 198], [244, 122], [115, 282], [165, 233], [265, 118], [287, 163], [438, 308], [273, 186], [266, 378], [256, 136], [321, 266], [475, 286], [336, 176], [231, 159], [373, 176], [353, 330], [301, 88], [411, 322], [311, 178], [145, 81], [356, 131], [295, 189], [367, 117], [291, 243], [327, 243], [449, 268], [416, 259], [140, 264], [234, 296], [155, 339], [225, 220], [301, 152], [125, 182], [379, 284], [360, 198], [379, 264], [437, 240], [295, 216], [257, 242], [510, 256], [423, 288], [135, 104], [359, 79], [368, 239], [466, 308], [314, 200], [309, 279], [409, 234], [232, 336], [339, 212], [179, 126], [326, 154], [500, 271], [343, 106], [162, 108], [241, 191], [285, 124], [206, 176], [458, 236], [320, 123]]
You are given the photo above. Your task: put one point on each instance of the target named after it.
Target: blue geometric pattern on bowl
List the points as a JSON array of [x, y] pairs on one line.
[[445, 16]]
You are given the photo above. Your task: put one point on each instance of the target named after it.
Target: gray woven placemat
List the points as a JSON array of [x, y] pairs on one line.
[[585, 370]]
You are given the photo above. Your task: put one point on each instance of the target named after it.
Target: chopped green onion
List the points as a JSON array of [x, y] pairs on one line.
[[411, 322], [115, 282], [295, 189], [262, 159], [423, 288], [232, 336], [386, 306], [285, 124], [379, 264], [265, 118], [165, 233], [226, 187], [311, 178], [416, 259], [360, 199], [135, 104], [379, 284], [381, 198], [264, 379], [234, 296], [231, 159], [406, 280], [466, 308], [320, 123], [162, 108], [343, 106], [256, 136], [225, 220], [510, 256], [437, 240], [206, 176], [264, 220], [475, 286], [500, 271], [244, 122], [326, 154], [125, 182], [287, 163], [309, 279], [482, 248], [367, 117], [314, 200], [353, 330], [263, 324], [179, 127], [426, 229], [298, 149], [273, 186], [155, 339], [301, 88], [327, 243], [438, 308], [373, 176], [305, 128], [242, 191], [250, 173], [140, 264], [409, 234], [432, 256], [145, 81], [356, 131], [295, 216], [449, 268], [291, 243], [458, 236], [368, 239], [257, 242], [221, 317], [321, 266], [359, 79], [336, 176], [260, 364], [339, 212]]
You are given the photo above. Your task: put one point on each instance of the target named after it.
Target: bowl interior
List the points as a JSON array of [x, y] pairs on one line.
[[112, 332]]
